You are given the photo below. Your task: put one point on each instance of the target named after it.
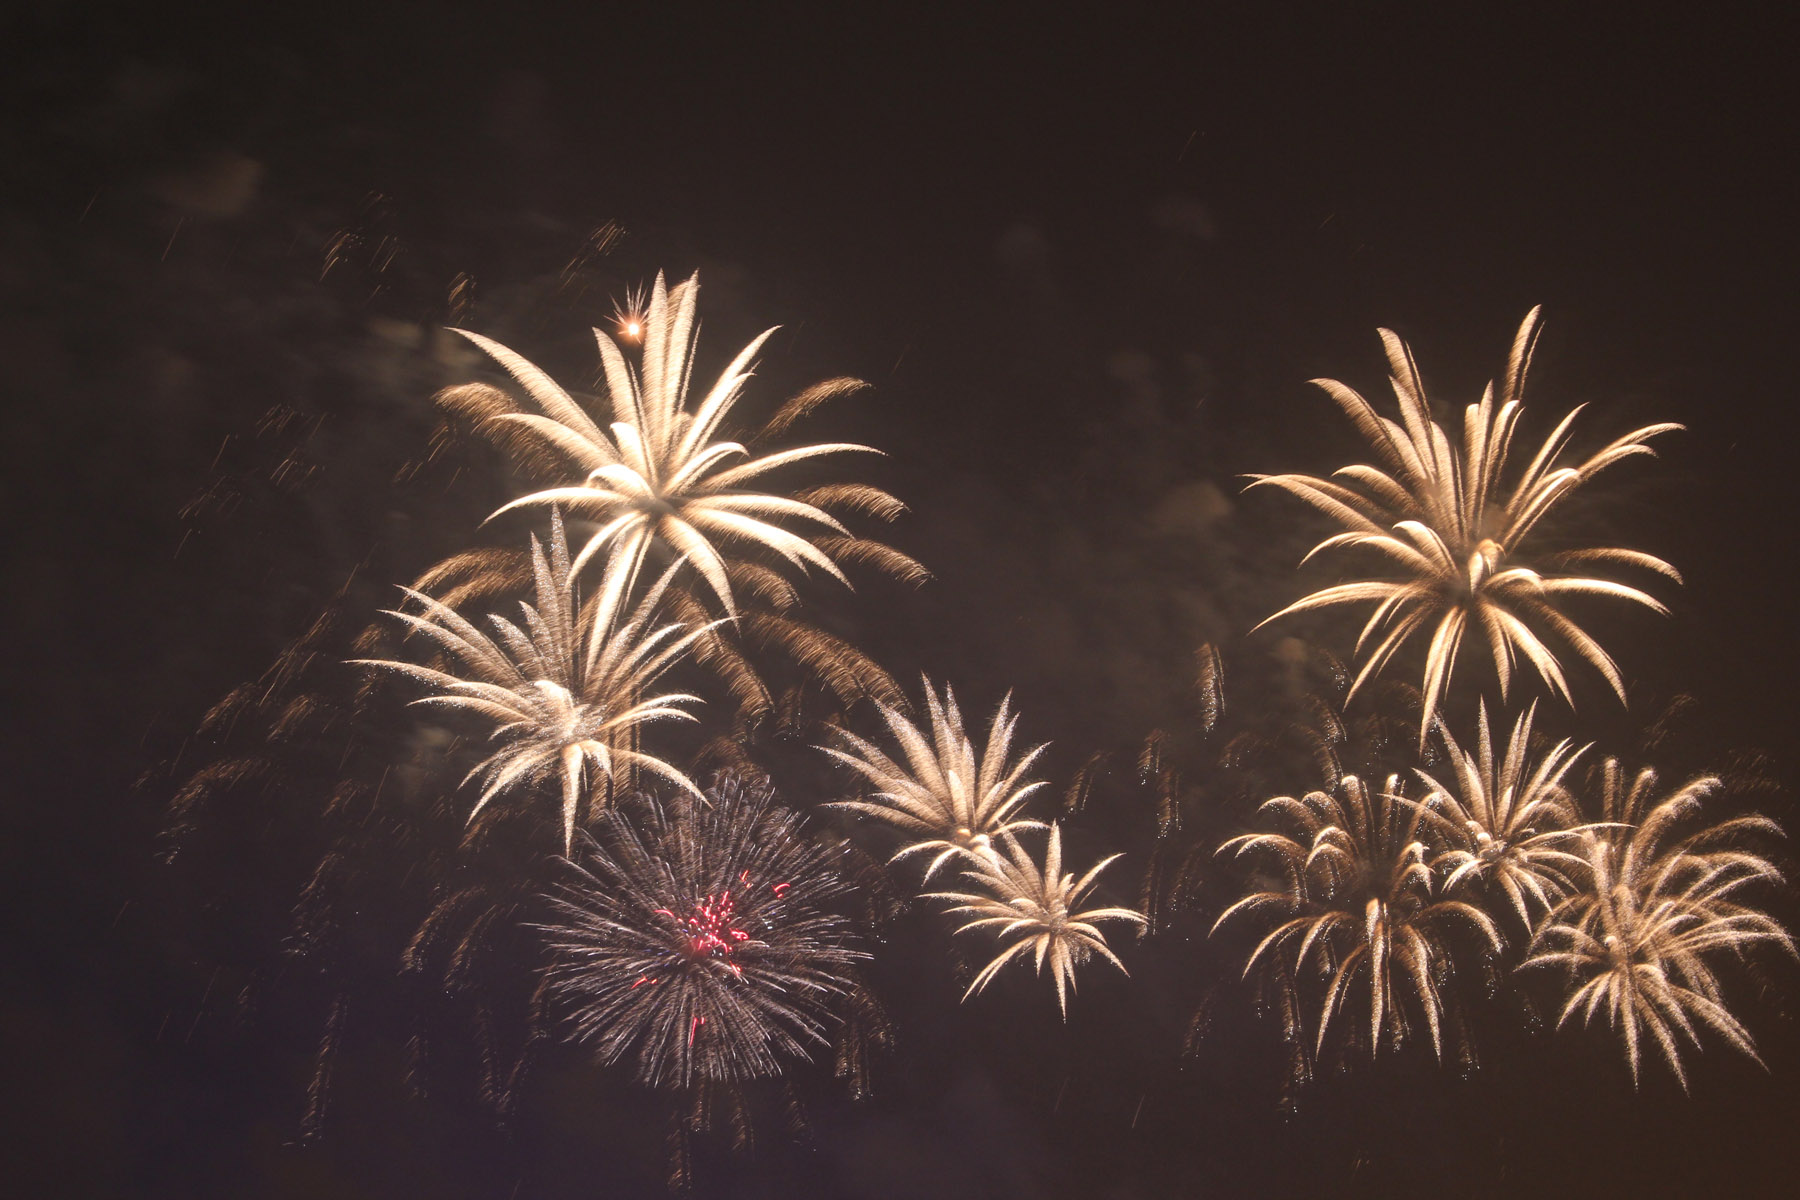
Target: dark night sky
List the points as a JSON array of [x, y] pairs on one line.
[[1088, 263]]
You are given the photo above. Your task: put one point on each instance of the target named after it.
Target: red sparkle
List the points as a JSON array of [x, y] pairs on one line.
[[711, 933]]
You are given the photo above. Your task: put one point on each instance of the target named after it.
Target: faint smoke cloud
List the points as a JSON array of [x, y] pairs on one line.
[[220, 185], [1136, 371], [1189, 510], [520, 115], [1023, 247], [1024, 251], [1186, 216]]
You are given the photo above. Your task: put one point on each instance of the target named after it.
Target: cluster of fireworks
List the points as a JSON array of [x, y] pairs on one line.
[[710, 937], [566, 691], [1381, 894]]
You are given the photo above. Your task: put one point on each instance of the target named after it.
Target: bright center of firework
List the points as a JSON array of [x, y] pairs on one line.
[[711, 933], [633, 329]]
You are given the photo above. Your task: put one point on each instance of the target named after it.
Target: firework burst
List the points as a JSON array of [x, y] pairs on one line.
[[699, 939], [565, 689], [954, 799], [1356, 902], [1463, 543], [1036, 910], [1639, 943], [666, 474], [1508, 817]]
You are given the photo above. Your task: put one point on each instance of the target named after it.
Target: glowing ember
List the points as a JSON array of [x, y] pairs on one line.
[[629, 315]]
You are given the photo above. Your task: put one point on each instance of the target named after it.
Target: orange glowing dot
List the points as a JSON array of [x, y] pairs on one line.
[[629, 315]]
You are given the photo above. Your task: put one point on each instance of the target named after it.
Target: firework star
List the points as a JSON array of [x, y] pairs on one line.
[[1507, 816], [700, 940], [667, 473], [1640, 944], [1464, 545], [567, 688], [952, 799], [1035, 910], [1356, 902]]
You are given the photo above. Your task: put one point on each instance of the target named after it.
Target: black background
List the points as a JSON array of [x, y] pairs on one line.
[[1088, 261]]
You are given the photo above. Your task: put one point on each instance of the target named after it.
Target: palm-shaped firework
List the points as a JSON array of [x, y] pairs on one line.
[[1036, 911], [954, 800], [1356, 900], [1508, 817], [1639, 941], [565, 688], [699, 939], [666, 473], [1461, 540]]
